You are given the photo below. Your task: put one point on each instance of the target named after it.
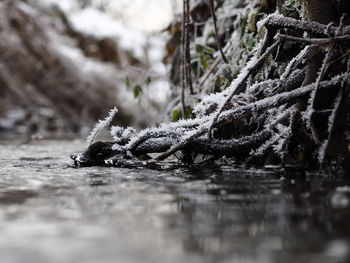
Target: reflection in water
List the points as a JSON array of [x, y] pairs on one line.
[[231, 215], [247, 213], [212, 214], [15, 196]]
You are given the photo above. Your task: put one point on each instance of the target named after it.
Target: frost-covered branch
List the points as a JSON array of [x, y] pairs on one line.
[[232, 147], [279, 22], [280, 99], [331, 125], [313, 41], [315, 94], [100, 125], [260, 116], [237, 86], [237, 113], [294, 63]]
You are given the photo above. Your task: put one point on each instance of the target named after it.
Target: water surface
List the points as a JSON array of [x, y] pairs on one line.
[[51, 211]]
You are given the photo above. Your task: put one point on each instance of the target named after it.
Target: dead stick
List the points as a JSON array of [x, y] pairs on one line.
[[212, 10], [280, 22], [206, 146], [188, 66], [331, 122], [183, 61], [313, 41], [316, 92]]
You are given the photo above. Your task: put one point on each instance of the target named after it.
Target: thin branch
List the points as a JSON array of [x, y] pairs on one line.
[[183, 143], [183, 105], [188, 66], [288, 81], [173, 130], [293, 81], [183, 60], [315, 93], [212, 68], [100, 125], [236, 85], [268, 39], [270, 141], [212, 10], [331, 123], [294, 63], [209, 72], [313, 41], [152, 135], [281, 22], [340, 58], [279, 99]]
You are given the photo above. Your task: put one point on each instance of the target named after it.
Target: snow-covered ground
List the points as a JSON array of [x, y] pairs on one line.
[[94, 22], [142, 15]]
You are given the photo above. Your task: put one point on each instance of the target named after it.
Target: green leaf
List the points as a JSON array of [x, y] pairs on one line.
[[204, 60], [176, 114], [209, 50], [127, 81], [250, 41], [204, 49], [137, 90], [199, 48]]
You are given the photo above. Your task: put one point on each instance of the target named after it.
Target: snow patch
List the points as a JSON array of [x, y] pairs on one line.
[[96, 23]]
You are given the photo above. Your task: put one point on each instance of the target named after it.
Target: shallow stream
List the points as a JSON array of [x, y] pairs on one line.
[[51, 211]]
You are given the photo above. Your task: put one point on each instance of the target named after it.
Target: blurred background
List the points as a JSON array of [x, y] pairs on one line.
[[65, 63]]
